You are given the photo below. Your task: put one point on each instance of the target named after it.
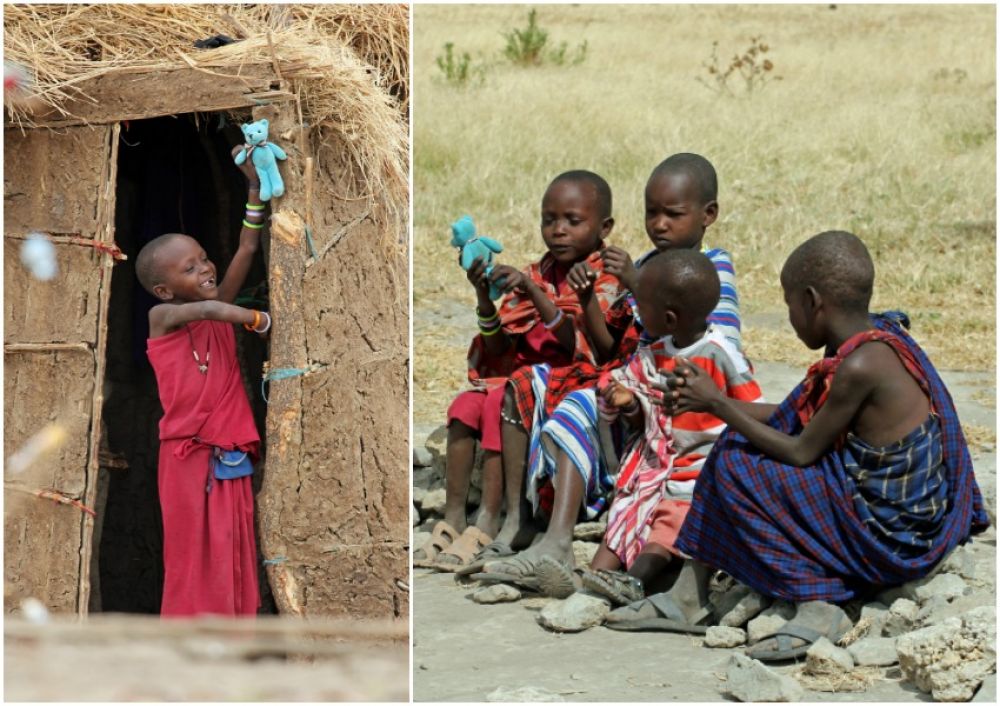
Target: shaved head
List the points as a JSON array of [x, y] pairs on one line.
[[601, 189], [683, 279], [696, 168], [149, 267], [837, 265]]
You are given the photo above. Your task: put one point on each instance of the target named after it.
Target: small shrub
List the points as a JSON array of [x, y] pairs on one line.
[[457, 69], [526, 47], [750, 66]]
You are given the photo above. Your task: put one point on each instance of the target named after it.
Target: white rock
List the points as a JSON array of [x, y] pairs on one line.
[[878, 613], [590, 531], [823, 657], [496, 593], [947, 585], [422, 457], [874, 651], [988, 691], [583, 552], [433, 502], [748, 608], [414, 516], [419, 540], [720, 636], [902, 618], [762, 626], [962, 562], [578, 612], [749, 680], [952, 659], [523, 694]]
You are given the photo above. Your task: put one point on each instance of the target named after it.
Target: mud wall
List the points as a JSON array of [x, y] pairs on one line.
[[333, 511]]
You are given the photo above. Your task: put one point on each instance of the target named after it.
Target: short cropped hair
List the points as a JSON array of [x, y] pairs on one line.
[[687, 279], [600, 186], [698, 169], [837, 264], [147, 268]]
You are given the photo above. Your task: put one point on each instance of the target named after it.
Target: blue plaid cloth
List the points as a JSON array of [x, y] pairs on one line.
[[796, 534]]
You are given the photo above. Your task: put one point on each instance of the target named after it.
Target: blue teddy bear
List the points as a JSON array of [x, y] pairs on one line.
[[463, 236], [264, 155]]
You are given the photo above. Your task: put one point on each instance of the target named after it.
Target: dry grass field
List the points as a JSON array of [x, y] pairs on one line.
[[883, 123]]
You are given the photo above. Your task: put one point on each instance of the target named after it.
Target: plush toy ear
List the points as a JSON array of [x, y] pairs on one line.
[[245, 129], [263, 121]]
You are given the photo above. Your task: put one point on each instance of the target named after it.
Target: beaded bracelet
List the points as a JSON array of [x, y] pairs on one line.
[[256, 206], [256, 322], [266, 328], [489, 332], [555, 322], [255, 226]]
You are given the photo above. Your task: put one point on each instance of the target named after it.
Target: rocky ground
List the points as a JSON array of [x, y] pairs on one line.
[[112, 658], [934, 639]]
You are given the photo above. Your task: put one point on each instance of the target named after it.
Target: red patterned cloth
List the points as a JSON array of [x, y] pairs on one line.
[[209, 550], [518, 316]]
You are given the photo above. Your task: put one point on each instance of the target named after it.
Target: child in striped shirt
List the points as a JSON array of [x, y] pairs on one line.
[[677, 292]]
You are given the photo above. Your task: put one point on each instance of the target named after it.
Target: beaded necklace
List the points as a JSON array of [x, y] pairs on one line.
[[202, 367]]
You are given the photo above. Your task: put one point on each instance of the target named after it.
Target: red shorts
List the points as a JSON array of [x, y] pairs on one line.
[[666, 523], [480, 411]]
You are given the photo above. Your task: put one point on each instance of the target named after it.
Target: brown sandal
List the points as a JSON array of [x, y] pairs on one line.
[[442, 537], [464, 549]]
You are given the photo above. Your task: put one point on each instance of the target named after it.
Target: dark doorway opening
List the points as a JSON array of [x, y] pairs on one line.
[[175, 174]]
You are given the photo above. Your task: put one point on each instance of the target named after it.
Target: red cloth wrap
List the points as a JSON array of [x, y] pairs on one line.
[[209, 550]]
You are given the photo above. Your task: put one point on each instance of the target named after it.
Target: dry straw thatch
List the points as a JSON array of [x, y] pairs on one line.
[[348, 64]]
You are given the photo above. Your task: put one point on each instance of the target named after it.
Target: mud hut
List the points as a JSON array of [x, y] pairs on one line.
[[125, 135]]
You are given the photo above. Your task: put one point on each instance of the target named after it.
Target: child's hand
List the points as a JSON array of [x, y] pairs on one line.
[[249, 171], [688, 389], [476, 275], [581, 279], [617, 262], [509, 279], [616, 395]]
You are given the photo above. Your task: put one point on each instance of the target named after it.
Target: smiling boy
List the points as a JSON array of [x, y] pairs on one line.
[[209, 550]]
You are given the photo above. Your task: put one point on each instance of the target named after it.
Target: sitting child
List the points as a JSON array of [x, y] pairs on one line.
[[539, 320], [209, 550], [860, 479], [557, 462], [677, 291]]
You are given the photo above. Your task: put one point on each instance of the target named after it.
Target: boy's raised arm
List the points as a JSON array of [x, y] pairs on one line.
[[165, 318], [581, 278], [236, 272]]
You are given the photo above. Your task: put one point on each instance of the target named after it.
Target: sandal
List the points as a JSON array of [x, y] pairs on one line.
[[463, 550], [617, 586], [442, 536], [515, 570], [556, 579], [491, 552], [778, 646], [660, 613]]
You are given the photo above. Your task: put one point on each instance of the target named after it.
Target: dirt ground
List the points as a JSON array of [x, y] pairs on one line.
[[464, 651], [132, 658]]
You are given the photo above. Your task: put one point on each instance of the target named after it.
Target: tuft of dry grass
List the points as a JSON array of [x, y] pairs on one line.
[[348, 64], [888, 134]]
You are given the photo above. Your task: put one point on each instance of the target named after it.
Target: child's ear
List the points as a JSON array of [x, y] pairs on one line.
[[670, 320], [606, 227], [813, 299], [711, 211], [162, 292]]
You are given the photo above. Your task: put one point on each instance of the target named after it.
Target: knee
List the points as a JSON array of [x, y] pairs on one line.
[[509, 411]]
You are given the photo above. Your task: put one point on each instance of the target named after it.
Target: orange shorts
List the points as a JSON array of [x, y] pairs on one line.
[[666, 524]]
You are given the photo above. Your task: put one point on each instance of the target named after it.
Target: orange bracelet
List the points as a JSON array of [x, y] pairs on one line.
[[256, 322]]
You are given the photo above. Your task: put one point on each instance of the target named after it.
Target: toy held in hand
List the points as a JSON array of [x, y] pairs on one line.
[[463, 236], [264, 156]]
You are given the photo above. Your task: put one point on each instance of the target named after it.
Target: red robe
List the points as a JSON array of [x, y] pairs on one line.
[[209, 551]]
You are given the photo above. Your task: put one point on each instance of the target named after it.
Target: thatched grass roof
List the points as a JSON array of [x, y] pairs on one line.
[[347, 63]]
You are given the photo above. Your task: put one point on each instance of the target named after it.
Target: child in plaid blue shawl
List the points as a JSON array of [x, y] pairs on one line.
[[860, 479]]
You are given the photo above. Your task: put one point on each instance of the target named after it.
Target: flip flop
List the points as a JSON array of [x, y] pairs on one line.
[[617, 586], [491, 552], [515, 570], [442, 536], [782, 648], [557, 579], [463, 549], [659, 613], [529, 583]]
